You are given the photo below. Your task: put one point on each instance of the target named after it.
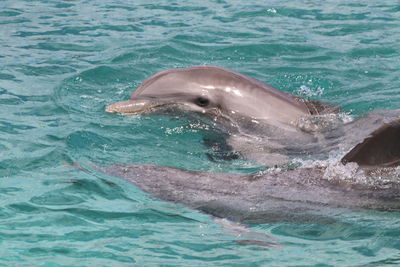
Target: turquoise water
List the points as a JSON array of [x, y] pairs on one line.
[[61, 62]]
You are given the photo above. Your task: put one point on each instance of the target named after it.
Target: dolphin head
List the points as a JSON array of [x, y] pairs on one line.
[[214, 92]]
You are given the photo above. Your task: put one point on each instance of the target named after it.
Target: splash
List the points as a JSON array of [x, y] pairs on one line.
[[351, 174], [307, 92], [325, 122]]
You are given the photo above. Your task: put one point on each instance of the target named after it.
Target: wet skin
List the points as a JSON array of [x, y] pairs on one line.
[[272, 128]]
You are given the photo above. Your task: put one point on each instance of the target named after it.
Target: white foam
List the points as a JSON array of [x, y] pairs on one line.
[[323, 122], [308, 92], [352, 173]]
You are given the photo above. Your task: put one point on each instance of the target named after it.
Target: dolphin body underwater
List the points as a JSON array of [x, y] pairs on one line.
[[275, 129]]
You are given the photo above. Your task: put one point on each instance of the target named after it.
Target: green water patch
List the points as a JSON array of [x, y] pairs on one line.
[[90, 91], [63, 62]]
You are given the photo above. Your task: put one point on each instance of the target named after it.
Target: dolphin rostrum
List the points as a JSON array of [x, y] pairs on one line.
[[272, 128]]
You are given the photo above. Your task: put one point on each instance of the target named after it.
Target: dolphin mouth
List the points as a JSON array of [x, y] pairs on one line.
[[141, 106], [133, 106]]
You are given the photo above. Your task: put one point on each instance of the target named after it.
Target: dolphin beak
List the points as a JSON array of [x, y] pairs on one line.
[[131, 106]]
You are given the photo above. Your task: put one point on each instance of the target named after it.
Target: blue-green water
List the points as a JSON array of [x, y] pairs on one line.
[[61, 62]]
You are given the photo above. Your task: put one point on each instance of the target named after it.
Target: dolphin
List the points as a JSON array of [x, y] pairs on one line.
[[310, 194], [266, 125], [207, 89], [272, 128]]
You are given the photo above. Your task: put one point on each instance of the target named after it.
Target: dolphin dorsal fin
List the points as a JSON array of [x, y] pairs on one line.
[[380, 149]]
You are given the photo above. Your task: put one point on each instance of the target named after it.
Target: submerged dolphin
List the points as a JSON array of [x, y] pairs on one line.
[[272, 128]]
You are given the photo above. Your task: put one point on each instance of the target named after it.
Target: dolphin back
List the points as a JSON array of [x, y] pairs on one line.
[[302, 194], [380, 149]]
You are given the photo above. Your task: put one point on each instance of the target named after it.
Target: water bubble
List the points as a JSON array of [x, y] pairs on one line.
[[308, 92]]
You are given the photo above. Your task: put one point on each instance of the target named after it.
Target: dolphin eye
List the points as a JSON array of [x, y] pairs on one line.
[[202, 101]]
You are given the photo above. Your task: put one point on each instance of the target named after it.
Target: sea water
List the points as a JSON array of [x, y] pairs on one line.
[[62, 62]]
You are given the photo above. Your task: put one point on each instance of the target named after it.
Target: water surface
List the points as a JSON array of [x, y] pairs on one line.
[[61, 62]]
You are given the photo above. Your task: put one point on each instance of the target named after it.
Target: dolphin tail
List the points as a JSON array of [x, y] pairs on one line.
[[380, 149]]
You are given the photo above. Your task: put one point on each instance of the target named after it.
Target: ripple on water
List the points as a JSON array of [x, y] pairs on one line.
[[91, 90], [62, 62]]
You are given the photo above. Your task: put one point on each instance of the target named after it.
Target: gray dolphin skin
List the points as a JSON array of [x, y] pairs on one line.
[[207, 88], [272, 128], [241, 104]]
